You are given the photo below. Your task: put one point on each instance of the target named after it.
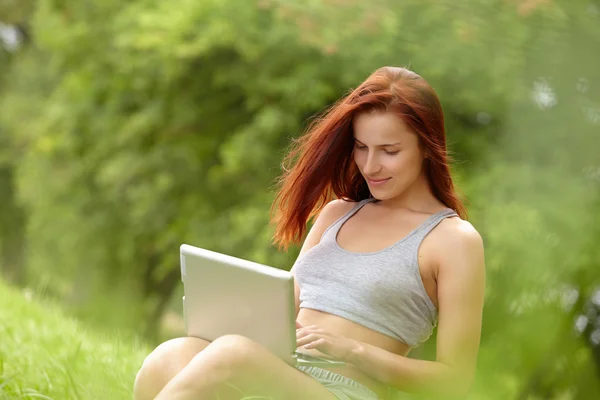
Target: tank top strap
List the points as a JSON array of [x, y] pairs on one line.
[[331, 232], [432, 222]]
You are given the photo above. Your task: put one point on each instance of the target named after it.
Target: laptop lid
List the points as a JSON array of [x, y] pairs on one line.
[[228, 295]]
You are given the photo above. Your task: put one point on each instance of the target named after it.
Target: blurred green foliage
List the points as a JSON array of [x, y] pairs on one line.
[[128, 128], [47, 355]]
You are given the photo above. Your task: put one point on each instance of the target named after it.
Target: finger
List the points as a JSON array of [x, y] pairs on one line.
[[307, 339], [317, 344], [308, 328], [312, 328], [301, 333]]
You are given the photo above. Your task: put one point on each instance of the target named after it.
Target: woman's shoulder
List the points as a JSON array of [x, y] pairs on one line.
[[455, 231], [458, 252], [331, 212], [338, 205], [328, 215], [334, 210]]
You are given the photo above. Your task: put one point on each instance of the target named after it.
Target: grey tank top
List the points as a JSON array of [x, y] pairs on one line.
[[380, 290]]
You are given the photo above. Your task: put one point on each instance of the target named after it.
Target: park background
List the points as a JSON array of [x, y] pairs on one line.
[[128, 128]]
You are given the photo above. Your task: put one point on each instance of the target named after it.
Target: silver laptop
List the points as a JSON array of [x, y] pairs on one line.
[[227, 295]]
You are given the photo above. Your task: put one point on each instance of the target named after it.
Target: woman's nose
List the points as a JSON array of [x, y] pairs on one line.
[[372, 165]]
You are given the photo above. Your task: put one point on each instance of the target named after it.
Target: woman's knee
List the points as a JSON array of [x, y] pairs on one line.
[[163, 363], [230, 362], [236, 353]]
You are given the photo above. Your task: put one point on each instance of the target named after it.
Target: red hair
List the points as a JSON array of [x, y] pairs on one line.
[[320, 165]]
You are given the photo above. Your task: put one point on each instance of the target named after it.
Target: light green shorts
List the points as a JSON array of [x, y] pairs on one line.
[[342, 387]]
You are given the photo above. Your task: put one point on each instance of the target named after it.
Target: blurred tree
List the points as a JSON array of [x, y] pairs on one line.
[[537, 205], [16, 11], [13, 35]]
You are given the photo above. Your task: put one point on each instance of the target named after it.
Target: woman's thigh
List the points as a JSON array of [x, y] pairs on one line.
[[163, 363], [234, 367]]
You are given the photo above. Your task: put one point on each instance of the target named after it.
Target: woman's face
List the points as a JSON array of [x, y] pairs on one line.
[[387, 153]]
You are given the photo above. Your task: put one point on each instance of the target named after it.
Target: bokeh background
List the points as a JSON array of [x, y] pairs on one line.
[[130, 127]]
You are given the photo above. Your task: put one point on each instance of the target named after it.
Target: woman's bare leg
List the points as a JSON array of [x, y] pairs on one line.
[[166, 361], [234, 367]]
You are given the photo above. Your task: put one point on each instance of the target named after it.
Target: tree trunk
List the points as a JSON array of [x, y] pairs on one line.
[[163, 291], [12, 231]]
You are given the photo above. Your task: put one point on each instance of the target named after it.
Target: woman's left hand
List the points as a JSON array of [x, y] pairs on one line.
[[336, 346]]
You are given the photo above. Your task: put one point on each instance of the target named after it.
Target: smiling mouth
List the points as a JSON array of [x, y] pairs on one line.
[[375, 181]]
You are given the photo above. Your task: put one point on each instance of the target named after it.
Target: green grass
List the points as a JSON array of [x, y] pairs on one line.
[[47, 355], [44, 354]]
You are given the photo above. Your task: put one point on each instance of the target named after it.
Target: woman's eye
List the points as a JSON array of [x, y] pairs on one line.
[[360, 147], [392, 153]]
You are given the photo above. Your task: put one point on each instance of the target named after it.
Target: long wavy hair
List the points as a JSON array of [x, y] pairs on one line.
[[320, 165]]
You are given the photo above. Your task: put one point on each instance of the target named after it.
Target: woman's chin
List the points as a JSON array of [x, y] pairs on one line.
[[380, 195], [384, 195]]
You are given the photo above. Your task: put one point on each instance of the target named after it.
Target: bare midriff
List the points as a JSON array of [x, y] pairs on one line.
[[351, 330]]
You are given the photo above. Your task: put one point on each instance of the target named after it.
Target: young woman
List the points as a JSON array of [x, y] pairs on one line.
[[389, 256]]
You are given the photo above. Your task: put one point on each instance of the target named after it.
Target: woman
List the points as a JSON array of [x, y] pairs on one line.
[[384, 263]]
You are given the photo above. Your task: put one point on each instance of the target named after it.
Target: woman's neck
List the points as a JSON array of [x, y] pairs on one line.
[[418, 197]]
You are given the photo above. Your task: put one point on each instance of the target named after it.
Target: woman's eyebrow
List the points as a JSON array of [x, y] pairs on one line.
[[381, 145]]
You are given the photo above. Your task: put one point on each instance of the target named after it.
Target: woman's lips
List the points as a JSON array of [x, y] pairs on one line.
[[376, 182]]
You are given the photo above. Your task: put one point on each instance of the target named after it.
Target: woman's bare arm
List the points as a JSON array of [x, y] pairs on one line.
[[461, 283]]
